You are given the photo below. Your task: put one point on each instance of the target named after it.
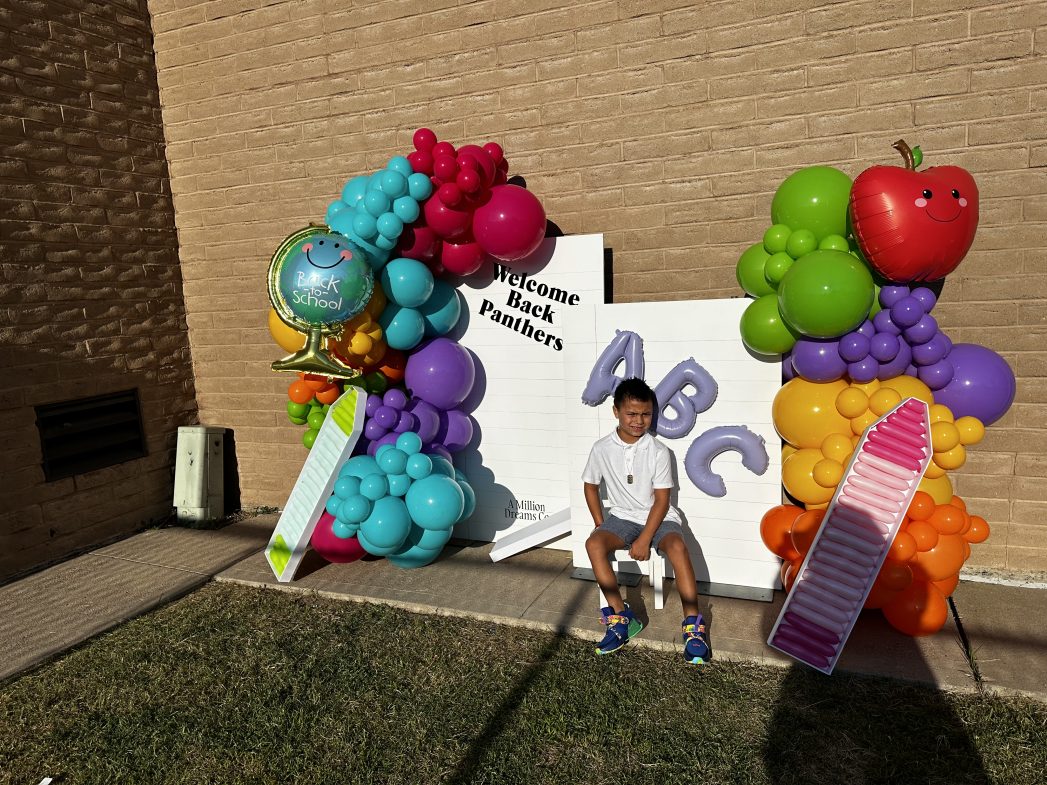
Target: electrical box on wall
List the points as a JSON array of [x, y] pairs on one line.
[[199, 493]]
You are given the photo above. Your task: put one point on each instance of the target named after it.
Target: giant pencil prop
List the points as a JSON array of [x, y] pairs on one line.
[[857, 531]]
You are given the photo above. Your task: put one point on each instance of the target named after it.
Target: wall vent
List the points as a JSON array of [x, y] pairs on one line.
[[90, 433]]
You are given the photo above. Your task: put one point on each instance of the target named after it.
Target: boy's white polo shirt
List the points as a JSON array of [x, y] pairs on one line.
[[612, 461]]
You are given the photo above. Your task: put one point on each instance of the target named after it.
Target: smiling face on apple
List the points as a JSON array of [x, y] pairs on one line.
[[914, 226]]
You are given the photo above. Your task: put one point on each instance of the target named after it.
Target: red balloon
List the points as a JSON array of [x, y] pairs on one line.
[[332, 548], [447, 223], [421, 161], [914, 226], [487, 165], [418, 241], [511, 224], [461, 258], [424, 139]]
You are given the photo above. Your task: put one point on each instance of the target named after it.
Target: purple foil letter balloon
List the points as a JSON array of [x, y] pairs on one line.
[[624, 347], [699, 458], [669, 395]]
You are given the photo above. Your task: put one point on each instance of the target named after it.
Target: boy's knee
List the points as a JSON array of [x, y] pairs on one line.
[[672, 544], [596, 544]]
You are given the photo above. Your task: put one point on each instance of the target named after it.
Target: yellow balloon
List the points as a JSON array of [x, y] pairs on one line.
[[805, 412], [361, 342], [883, 400], [798, 477], [971, 430], [944, 436], [837, 447], [951, 459], [287, 338], [860, 423], [787, 450], [828, 473], [867, 387], [940, 413], [910, 387], [934, 471], [940, 488], [852, 402], [821, 506]]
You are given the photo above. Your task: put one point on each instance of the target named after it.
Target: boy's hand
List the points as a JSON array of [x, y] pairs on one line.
[[641, 549]]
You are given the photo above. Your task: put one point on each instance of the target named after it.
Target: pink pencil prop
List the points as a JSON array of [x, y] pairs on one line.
[[858, 529]]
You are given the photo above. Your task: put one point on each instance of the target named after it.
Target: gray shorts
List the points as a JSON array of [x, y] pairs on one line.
[[628, 531]]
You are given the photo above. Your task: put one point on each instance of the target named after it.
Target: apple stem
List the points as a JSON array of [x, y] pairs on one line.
[[902, 147]]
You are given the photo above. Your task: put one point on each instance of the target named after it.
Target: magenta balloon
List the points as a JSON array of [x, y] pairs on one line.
[[333, 548], [447, 223], [461, 258], [982, 384], [441, 372], [511, 224]]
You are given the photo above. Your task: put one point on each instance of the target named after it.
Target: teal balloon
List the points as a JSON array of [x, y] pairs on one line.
[[355, 190], [419, 186], [435, 502], [419, 465], [407, 282], [400, 164], [346, 486], [393, 461], [470, 499], [399, 484], [442, 310], [374, 486], [826, 294], [404, 328], [377, 203], [442, 466], [749, 271], [389, 225], [813, 198], [406, 209], [763, 329], [360, 466], [411, 443], [354, 509], [386, 528], [414, 557], [394, 184]]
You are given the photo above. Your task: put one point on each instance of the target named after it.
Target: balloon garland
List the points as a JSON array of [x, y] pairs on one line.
[[363, 300], [851, 313]]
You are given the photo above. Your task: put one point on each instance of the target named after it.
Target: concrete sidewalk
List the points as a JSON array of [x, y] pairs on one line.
[[60, 607]]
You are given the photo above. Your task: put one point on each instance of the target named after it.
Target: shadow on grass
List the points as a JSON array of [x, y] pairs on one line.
[[502, 716]]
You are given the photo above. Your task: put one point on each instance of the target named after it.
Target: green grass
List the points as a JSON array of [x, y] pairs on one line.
[[240, 685]]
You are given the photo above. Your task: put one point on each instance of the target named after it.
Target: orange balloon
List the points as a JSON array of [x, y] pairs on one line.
[[956, 501], [941, 561], [805, 529], [315, 382], [979, 531], [330, 395], [948, 586], [903, 548], [789, 571], [774, 530], [393, 365], [921, 507], [895, 576], [926, 536], [300, 392], [947, 519], [879, 596], [919, 610]]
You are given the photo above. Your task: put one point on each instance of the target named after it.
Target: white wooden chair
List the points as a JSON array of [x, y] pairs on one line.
[[655, 572]]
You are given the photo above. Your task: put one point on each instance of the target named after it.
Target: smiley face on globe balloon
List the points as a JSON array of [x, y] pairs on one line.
[[321, 278]]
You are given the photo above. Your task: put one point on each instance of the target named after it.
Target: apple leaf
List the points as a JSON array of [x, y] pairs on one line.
[[917, 156]]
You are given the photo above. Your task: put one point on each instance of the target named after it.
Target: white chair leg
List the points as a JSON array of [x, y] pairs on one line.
[[657, 569]]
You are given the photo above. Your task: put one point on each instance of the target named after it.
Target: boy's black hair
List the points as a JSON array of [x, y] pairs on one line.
[[634, 389]]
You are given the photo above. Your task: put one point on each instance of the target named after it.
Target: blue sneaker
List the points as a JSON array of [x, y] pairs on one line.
[[620, 628], [695, 646]]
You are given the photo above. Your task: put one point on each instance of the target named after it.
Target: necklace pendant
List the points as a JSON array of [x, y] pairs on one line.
[[629, 479]]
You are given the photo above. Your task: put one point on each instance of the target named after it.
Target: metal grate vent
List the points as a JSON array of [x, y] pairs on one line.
[[90, 433]]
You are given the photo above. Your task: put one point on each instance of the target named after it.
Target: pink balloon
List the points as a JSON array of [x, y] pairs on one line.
[[487, 164], [511, 224], [461, 258], [419, 242], [334, 549], [447, 223]]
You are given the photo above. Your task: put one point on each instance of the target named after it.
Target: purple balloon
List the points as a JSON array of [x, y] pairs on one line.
[[428, 417], [456, 430], [907, 311], [898, 365], [854, 347], [982, 385], [818, 361], [926, 297], [395, 397], [867, 328], [884, 347], [947, 341], [435, 448], [936, 375], [913, 371], [387, 417], [373, 402], [389, 438], [407, 422], [441, 372], [788, 372], [921, 332], [883, 324], [863, 370], [931, 352], [372, 430], [889, 295]]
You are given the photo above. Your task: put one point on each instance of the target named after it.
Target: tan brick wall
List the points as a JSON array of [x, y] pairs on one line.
[[665, 125], [90, 288]]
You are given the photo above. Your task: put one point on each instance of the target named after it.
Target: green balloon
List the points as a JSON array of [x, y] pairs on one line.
[[763, 329], [749, 271], [316, 419], [826, 294], [814, 198], [776, 268], [297, 420], [309, 437], [297, 410], [376, 383], [876, 308], [834, 242], [776, 238], [801, 242]]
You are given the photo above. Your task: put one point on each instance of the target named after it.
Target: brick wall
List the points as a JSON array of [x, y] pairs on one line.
[[90, 289], [665, 125]]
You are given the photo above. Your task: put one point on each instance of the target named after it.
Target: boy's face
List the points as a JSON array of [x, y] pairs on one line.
[[634, 419]]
